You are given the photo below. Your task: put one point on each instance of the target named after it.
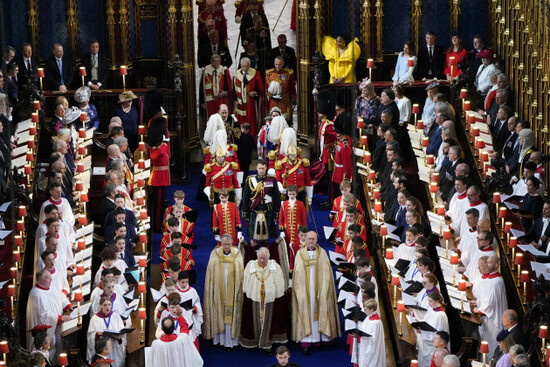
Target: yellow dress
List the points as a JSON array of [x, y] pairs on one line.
[[341, 65]]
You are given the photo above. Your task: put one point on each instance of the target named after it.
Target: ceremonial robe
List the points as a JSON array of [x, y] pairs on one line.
[[247, 107], [175, 351], [292, 216], [226, 220], [99, 323], [213, 82], [372, 351]]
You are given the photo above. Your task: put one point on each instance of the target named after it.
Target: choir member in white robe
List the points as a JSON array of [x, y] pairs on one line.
[[175, 312], [468, 242], [458, 202], [162, 304], [372, 350], [436, 318], [490, 299], [64, 249], [193, 316], [118, 304], [174, 350], [420, 266], [46, 306], [484, 244], [474, 202], [52, 211], [59, 274], [407, 249], [108, 260], [61, 203], [105, 319], [223, 296], [429, 285]]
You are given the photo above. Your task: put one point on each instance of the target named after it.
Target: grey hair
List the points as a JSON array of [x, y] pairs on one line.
[[504, 92], [121, 141], [117, 164], [522, 360], [227, 236], [59, 143], [451, 360], [263, 249], [517, 349], [495, 72], [245, 60], [504, 77], [64, 134]]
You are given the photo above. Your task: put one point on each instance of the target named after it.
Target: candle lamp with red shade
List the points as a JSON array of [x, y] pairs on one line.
[[401, 310], [389, 256], [507, 230], [40, 74], [454, 263], [415, 111], [502, 211], [410, 64], [524, 279], [414, 363], [395, 282], [363, 143], [11, 294], [463, 96], [4, 348], [441, 213], [82, 73], [63, 359], [519, 261], [543, 334], [462, 289], [370, 66], [360, 125], [484, 349], [367, 158], [496, 200], [447, 237], [513, 243], [123, 72], [378, 209], [142, 316], [78, 298], [383, 234], [141, 290]]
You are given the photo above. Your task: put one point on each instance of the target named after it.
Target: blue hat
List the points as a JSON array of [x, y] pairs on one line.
[[502, 335]]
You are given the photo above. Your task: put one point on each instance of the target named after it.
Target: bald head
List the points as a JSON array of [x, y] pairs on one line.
[[509, 318], [484, 224], [493, 263], [439, 354]]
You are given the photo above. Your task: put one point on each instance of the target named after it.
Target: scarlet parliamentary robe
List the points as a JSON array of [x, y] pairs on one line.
[[291, 217], [220, 24], [288, 90], [247, 107], [213, 82], [226, 219]]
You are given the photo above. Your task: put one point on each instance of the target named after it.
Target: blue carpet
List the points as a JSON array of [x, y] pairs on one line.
[[335, 355]]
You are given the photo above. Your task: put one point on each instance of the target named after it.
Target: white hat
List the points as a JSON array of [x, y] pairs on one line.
[[278, 124], [71, 114], [82, 94], [215, 123], [287, 139], [275, 90]]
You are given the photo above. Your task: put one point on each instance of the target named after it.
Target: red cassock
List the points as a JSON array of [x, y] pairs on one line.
[[226, 219], [291, 218], [286, 78], [186, 229], [214, 82], [160, 162], [221, 176], [248, 107], [346, 248], [343, 167], [296, 173], [187, 261], [337, 206], [168, 211], [231, 156], [221, 24], [165, 244], [293, 250], [327, 138]]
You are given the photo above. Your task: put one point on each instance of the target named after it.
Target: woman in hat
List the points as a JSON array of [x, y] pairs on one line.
[[129, 116], [505, 342], [483, 76], [82, 97]]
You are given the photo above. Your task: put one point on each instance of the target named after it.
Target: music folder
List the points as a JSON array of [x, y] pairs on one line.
[[191, 215], [422, 325]]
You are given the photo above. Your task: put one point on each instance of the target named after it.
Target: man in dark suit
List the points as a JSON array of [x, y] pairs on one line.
[[510, 323], [107, 205], [214, 47], [500, 132], [509, 144], [539, 235], [287, 53], [500, 100], [27, 64], [97, 69], [431, 60], [447, 173], [247, 20], [59, 70], [475, 61]]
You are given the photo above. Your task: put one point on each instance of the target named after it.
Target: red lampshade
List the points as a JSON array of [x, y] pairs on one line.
[[140, 200], [141, 164], [78, 296], [143, 237], [4, 348], [79, 186], [524, 276], [141, 146], [142, 314], [82, 219], [141, 129], [30, 157], [414, 363], [84, 197], [543, 331], [20, 226], [36, 105], [63, 359], [376, 194], [378, 206], [452, 61], [440, 210], [472, 119], [31, 143], [400, 306], [502, 212], [28, 169], [383, 230], [34, 117], [13, 272], [363, 140], [367, 157], [32, 130], [519, 258], [548, 351], [410, 62], [82, 133], [513, 242], [142, 261], [83, 116], [80, 167], [395, 279], [446, 234], [496, 197], [389, 254], [40, 72], [79, 269], [507, 227], [81, 245], [370, 63], [141, 182], [123, 70], [416, 108], [433, 187], [372, 175], [480, 144], [485, 156], [143, 214], [462, 285], [463, 93], [22, 211], [360, 123], [475, 131], [17, 255], [82, 71], [82, 150], [18, 241], [466, 105], [454, 258], [420, 124], [484, 347], [425, 142], [141, 287], [11, 290], [435, 177], [430, 159]]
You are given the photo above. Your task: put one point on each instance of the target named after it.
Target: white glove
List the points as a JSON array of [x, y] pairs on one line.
[[309, 201], [218, 238], [238, 19], [239, 194], [282, 234], [309, 193], [240, 236], [207, 191], [271, 172], [281, 189], [203, 172]]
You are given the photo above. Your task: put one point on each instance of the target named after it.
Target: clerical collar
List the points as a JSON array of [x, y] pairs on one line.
[[492, 275], [183, 290], [40, 287], [374, 316], [410, 245], [463, 195], [476, 203], [473, 229], [169, 337], [56, 202], [439, 309]]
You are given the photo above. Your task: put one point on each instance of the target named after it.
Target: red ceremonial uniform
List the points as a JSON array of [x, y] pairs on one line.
[[346, 248], [186, 229], [220, 24], [226, 219], [337, 206], [291, 218], [214, 82], [296, 173], [221, 176], [243, 7], [327, 139], [187, 261], [168, 211], [231, 156], [343, 167], [247, 107], [160, 160], [288, 95]]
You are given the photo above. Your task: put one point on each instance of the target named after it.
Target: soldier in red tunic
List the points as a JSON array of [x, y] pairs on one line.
[[226, 219], [292, 216], [215, 86], [274, 136], [249, 92], [295, 171], [221, 175], [159, 153], [281, 90], [343, 166]]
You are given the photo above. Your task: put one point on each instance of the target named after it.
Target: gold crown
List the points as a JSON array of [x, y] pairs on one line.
[[220, 152]]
